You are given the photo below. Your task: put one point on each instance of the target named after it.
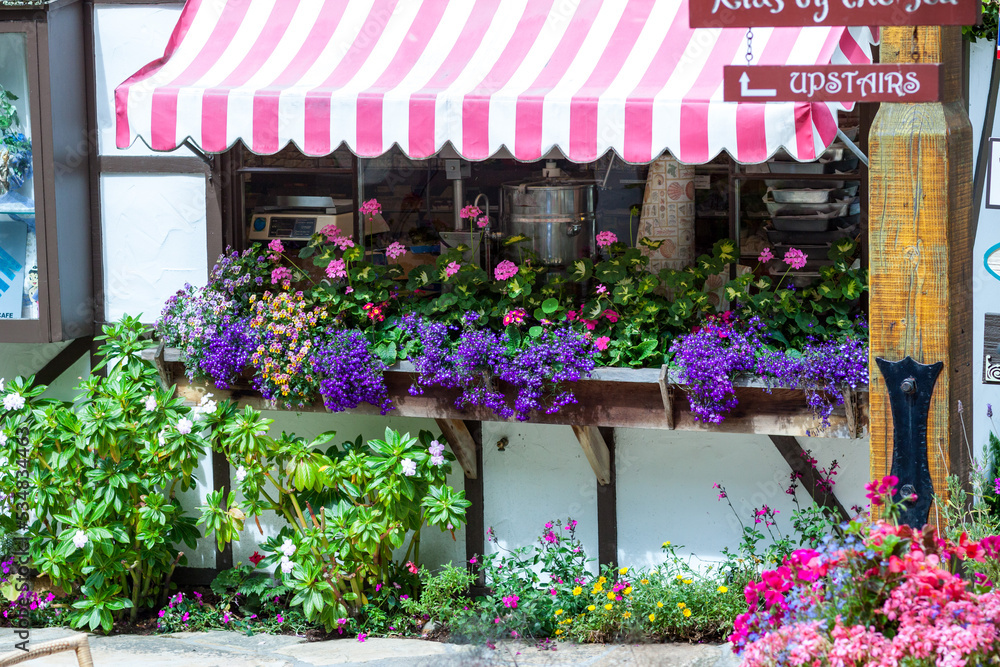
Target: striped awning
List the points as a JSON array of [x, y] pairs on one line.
[[582, 76]]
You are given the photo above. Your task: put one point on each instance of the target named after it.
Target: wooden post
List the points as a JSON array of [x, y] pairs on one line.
[[920, 195]]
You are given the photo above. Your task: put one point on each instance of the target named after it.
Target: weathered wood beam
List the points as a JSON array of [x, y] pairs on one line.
[[920, 197], [596, 451], [607, 508], [795, 457], [66, 357], [462, 444], [667, 395]]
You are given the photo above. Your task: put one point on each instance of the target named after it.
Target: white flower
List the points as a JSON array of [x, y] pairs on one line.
[[205, 407], [3, 438], [409, 467], [150, 403], [1, 384], [288, 548], [436, 448], [286, 565], [184, 425], [13, 401], [437, 460], [162, 438], [80, 539], [241, 474]]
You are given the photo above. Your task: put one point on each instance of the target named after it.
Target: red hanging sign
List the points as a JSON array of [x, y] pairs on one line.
[[832, 83], [782, 13]]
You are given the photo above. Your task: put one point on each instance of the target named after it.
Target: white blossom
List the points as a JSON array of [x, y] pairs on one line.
[[409, 467], [150, 403], [162, 438], [206, 407], [184, 425], [80, 539], [1, 384], [13, 401], [286, 565], [241, 474], [288, 548], [3, 438]]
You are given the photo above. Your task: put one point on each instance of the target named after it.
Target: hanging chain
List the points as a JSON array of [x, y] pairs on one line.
[[749, 45]]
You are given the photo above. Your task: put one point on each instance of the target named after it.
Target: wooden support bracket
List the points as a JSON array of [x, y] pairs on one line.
[[596, 451], [851, 410], [166, 376], [462, 444], [667, 394], [795, 457]]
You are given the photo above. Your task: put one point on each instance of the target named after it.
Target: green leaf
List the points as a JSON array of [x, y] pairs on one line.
[[535, 331], [550, 306]]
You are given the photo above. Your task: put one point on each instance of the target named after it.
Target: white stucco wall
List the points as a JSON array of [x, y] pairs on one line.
[[985, 288]]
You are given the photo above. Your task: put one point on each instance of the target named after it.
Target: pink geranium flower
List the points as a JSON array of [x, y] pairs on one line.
[[451, 269], [765, 255], [604, 239], [371, 207], [336, 269], [395, 249], [505, 269], [795, 258]]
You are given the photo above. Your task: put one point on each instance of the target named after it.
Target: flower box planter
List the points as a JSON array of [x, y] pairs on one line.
[[615, 397]]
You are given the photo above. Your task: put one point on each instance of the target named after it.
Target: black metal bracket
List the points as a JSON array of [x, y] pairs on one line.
[[910, 385]]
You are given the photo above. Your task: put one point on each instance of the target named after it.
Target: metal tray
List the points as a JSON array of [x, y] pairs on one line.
[[850, 190], [841, 166], [776, 236], [799, 184], [801, 196], [832, 209], [796, 167], [800, 223]]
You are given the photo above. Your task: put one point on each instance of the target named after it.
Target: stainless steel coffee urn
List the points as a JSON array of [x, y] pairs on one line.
[[556, 213]]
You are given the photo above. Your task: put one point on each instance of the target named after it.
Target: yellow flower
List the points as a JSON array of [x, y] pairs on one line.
[[659, 605], [623, 570], [611, 595], [591, 608], [558, 611], [667, 543], [558, 632], [688, 581], [652, 617], [577, 590], [681, 605], [679, 577], [644, 581], [608, 606], [723, 589], [686, 612], [628, 590], [627, 614], [601, 580], [597, 589]]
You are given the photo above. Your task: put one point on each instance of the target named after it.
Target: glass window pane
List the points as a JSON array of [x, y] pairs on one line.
[[18, 249]]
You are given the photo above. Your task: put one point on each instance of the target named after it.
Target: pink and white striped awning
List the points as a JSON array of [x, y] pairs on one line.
[[583, 76]]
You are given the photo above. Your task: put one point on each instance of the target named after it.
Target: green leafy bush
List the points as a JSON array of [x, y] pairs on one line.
[[348, 509], [101, 478]]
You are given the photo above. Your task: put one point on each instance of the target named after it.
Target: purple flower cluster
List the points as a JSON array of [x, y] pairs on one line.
[[708, 359], [351, 373], [711, 356], [822, 368], [477, 360]]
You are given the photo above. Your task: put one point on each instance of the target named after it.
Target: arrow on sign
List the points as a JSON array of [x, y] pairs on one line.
[[747, 91]]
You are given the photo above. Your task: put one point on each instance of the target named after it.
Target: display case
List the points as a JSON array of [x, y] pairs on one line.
[[46, 291]]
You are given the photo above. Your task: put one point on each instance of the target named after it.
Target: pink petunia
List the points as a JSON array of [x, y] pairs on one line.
[[602, 344], [611, 315]]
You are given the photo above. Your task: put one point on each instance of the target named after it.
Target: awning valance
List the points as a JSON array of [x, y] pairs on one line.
[[583, 76]]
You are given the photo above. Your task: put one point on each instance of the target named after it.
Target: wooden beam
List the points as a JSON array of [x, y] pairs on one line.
[[596, 451], [920, 198], [607, 508], [60, 363], [667, 396], [462, 444], [475, 516], [795, 457]]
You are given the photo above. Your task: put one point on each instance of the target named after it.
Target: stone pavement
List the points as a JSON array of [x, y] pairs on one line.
[[224, 649]]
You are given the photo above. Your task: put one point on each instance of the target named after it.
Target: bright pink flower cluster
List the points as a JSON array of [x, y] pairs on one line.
[[505, 269], [604, 239], [875, 490], [515, 316], [887, 600], [795, 258], [371, 208], [395, 249]]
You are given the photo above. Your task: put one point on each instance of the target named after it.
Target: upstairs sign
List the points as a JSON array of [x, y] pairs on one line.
[[832, 83], [785, 13]]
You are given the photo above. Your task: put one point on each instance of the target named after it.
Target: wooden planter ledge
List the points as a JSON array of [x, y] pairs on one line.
[[611, 397]]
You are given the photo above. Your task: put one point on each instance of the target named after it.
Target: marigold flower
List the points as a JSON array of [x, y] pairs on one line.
[[628, 590], [681, 605], [722, 589], [591, 607], [652, 617], [627, 615], [686, 612], [609, 606], [659, 605], [577, 590], [611, 595]]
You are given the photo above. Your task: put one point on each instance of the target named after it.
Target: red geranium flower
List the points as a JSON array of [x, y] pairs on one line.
[[256, 558]]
